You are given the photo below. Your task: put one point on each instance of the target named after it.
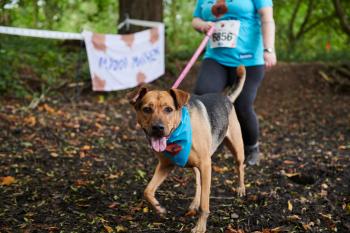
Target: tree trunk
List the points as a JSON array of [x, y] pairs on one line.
[[5, 16], [140, 9], [342, 16], [307, 24], [35, 14]]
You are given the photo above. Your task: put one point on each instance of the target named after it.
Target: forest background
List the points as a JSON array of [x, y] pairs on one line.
[[307, 30]]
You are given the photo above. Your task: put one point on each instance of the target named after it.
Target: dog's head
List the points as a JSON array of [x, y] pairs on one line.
[[158, 113]]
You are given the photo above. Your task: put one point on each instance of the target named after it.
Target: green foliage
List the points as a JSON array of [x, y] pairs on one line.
[[182, 39], [65, 15], [323, 28], [24, 60], [30, 65]]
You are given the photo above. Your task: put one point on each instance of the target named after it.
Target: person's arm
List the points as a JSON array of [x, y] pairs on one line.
[[201, 25], [268, 31]]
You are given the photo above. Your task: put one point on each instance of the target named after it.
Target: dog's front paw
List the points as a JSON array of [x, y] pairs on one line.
[[241, 191], [199, 229], [160, 210]]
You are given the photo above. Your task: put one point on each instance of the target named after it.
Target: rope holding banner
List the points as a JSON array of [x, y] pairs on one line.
[[194, 57]]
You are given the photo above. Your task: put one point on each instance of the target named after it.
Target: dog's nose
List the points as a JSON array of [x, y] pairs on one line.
[[158, 128]]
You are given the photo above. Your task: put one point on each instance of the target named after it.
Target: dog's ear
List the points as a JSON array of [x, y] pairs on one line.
[[135, 96], [180, 97]]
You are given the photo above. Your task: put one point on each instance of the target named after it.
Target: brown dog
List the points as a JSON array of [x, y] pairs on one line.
[[199, 124]]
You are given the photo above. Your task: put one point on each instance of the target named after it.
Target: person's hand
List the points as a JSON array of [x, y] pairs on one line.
[[205, 26], [270, 59]]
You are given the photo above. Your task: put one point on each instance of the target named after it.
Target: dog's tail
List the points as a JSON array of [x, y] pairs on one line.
[[241, 75]]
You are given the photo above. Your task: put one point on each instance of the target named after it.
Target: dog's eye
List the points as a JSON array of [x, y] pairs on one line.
[[147, 110], [168, 109]]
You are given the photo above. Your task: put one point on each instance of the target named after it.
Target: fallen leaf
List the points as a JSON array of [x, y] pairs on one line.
[[293, 218], [99, 126], [54, 154], [121, 228], [141, 173], [82, 154], [101, 99], [31, 121], [80, 182], [86, 147], [253, 198], [7, 180], [127, 218], [229, 182], [53, 229], [307, 226], [108, 228], [49, 109], [288, 162], [220, 169], [344, 147], [326, 216], [113, 205], [26, 144], [290, 206], [291, 174], [348, 208], [323, 193], [280, 229], [230, 229], [116, 175], [303, 200]]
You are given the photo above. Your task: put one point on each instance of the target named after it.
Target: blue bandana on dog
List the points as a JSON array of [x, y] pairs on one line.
[[180, 141]]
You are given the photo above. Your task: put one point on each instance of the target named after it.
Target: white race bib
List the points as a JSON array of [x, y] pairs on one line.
[[225, 34]]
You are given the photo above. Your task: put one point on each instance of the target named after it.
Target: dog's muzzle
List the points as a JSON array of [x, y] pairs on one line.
[[157, 137], [157, 130]]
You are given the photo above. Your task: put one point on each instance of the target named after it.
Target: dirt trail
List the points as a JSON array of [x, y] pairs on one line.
[[82, 167]]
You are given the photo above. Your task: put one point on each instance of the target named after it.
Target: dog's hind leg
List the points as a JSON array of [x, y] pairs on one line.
[[160, 174], [234, 142], [192, 210]]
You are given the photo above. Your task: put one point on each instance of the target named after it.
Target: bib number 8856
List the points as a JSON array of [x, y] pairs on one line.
[[222, 36]]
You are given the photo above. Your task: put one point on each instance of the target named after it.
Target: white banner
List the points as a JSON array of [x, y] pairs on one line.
[[123, 61]]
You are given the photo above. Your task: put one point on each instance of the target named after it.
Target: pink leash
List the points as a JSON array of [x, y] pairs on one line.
[[194, 58]]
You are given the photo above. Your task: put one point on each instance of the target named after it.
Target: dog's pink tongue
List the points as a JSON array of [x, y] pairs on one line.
[[158, 144]]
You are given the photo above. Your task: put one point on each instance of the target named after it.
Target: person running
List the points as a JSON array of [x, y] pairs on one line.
[[244, 35]]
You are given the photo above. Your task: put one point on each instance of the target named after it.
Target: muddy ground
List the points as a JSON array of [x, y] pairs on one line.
[[81, 165]]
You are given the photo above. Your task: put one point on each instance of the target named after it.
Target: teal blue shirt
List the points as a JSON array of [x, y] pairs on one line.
[[249, 49]]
